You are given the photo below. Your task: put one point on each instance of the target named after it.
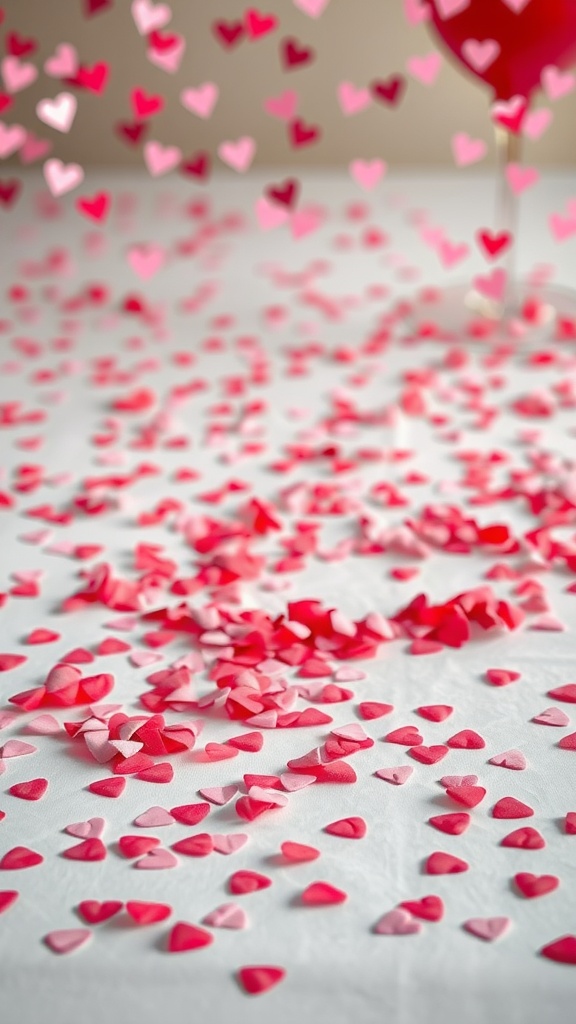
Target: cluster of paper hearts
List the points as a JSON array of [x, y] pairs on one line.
[[64, 687]]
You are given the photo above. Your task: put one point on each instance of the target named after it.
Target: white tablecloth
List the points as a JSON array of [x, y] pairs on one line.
[[337, 969]]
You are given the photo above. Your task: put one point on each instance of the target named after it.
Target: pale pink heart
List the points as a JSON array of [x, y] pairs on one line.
[[67, 939], [293, 781], [481, 54], [466, 150], [449, 8], [124, 623], [168, 60], [349, 675], [434, 237], [36, 536], [103, 711], [425, 69], [367, 173], [58, 113], [487, 928], [157, 859], [268, 796], [61, 547], [238, 155], [270, 215], [550, 623], [6, 718], [219, 794], [557, 84], [63, 63], [145, 261], [154, 817], [99, 746], [284, 106], [536, 123], [562, 227], [160, 159], [309, 760], [202, 100], [42, 725], [16, 74], [521, 178], [91, 829], [492, 286], [353, 732], [229, 915], [127, 748], [552, 716], [16, 748], [517, 6], [351, 99], [228, 844], [12, 137], [397, 922], [34, 148], [513, 759], [398, 776], [28, 575], [453, 781], [452, 253], [313, 8], [149, 17], [416, 11], [304, 221]]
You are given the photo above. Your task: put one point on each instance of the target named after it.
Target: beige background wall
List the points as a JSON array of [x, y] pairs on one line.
[[357, 40]]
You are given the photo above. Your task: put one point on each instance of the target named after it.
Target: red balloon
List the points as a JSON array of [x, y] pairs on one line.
[[542, 33]]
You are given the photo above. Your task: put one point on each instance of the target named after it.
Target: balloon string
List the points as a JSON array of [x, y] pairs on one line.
[[508, 150]]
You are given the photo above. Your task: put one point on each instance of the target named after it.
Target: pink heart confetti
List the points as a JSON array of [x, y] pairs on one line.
[[67, 940], [228, 915], [397, 922], [490, 929]]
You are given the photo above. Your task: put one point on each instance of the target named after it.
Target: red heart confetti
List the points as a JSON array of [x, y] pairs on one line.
[[20, 857], [242, 882], [439, 863], [185, 937], [510, 807], [256, 980], [347, 828], [562, 950], [322, 894], [95, 912], [144, 913], [535, 885]]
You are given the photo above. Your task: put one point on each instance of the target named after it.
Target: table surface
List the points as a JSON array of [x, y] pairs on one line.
[[272, 344]]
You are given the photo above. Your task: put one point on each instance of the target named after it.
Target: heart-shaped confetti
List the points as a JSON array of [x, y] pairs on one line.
[[67, 940], [397, 922], [94, 912], [185, 937], [487, 928], [228, 915], [259, 979]]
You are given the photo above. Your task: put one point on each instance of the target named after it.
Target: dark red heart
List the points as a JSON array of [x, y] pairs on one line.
[[295, 55], [198, 166], [286, 193], [389, 91], [228, 33], [9, 191]]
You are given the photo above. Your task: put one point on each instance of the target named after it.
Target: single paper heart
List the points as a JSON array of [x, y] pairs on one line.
[[397, 922]]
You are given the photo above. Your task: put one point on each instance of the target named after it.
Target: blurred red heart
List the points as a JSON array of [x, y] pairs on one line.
[[528, 38]]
